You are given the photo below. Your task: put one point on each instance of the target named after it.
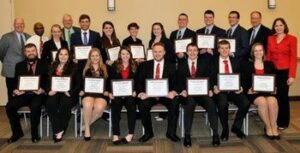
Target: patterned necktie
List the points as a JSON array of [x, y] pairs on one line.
[[179, 34], [41, 47], [157, 71], [85, 41], [226, 67], [193, 69], [206, 31], [252, 37], [229, 33]]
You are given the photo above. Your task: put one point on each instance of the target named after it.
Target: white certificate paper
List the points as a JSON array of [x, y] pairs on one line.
[[263, 83], [82, 52], [94, 85], [180, 45], [60, 84], [53, 53], [232, 44], [206, 41], [29, 83], [113, 53], [137, 51], [149, 54], [157, 87], [229, 82], [197, 87], [121, 88]]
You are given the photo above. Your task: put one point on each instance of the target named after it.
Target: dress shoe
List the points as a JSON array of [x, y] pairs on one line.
[[216, 140], [35, 139], [225, 135], [173, 137], [238, 132], [187, 141], [276, 137], [117, 142], [14, 138], [146, 137], [87, 138], [124, 141], [268, 136]]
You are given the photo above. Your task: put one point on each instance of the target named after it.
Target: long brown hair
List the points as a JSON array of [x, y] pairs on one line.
[[252, 58], [105, 41], [88, 64], [119, 62], [68, 67]]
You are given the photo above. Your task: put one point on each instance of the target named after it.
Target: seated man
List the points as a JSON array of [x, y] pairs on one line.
[[31, 66]]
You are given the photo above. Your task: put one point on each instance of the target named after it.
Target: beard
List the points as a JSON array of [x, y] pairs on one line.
[[31, 59]]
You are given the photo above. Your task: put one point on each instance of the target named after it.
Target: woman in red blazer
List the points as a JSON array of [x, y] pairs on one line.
[[282, 51]]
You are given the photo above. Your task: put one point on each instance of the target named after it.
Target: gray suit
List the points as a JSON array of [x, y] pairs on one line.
[[10, 53]]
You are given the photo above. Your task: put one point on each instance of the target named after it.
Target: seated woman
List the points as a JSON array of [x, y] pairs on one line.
[[124, 68], [59, 104], [266, 102], [93, 104]]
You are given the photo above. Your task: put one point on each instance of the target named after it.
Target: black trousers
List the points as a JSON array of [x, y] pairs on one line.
[[239, 100], [283, 98], [10, 87], [208, 104], [34, 102], [116, 107], [173, 112], [59, 108]]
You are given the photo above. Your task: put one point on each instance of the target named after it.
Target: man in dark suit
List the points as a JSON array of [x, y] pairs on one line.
[[210, 29], [225, 64], [158, 68], [258, 32], [31, 66], [240, 34], [68, 29], [194, 67], [85, 37], [182, 33]]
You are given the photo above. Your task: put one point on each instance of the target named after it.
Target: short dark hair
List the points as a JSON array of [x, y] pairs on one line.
[[223, 42], [209, 12], [257, 13], [133, 25], [159, 44], [29, 45], [286, 28], [183, 14], [235, 12], [84, 16], [192, 44]]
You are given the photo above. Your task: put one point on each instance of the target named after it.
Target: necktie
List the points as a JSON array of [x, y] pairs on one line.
[[85, 41], [69, 37], [41, 46], [22, 41], [226, 66], [179, 34], [30, 71], [157, 71], [252, 36], [193, 69], [206, 31], [229, 33]]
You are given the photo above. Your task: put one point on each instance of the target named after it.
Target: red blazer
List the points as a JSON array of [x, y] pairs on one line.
[[283, 54]]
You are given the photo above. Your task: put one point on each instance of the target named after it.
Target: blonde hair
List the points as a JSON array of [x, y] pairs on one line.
[[101, 65], [252, 58]]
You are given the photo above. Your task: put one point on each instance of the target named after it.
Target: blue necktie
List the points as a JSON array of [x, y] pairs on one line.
[[85, 41]]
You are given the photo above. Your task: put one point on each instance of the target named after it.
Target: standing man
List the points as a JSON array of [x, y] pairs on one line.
[[11, 52], [68, 28], [38, 39]]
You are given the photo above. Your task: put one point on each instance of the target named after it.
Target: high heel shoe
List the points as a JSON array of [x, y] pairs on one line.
[[271, 137], [87, 138]]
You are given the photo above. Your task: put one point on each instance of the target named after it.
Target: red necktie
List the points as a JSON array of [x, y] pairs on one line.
[[226, 66], [41, 47], [157, 71], [193, 70]]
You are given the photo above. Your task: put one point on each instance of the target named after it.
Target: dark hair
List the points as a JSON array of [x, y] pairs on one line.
[[183, 14], [84, 16], [163, 34], [209, 12], [223, 42], [105, 41], [235, 12], [257, 13], [252, 51], [132, 63], [192, 44], [29, 45], [68, 67], [133, 25], [159, 44], [286, 28]]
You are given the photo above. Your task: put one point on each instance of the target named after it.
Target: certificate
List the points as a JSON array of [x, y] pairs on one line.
[[53, 54], [229, 82], [93, 85], [197, 87], [180, 45], [122, 88], [82, 52], [137, 51], [149, 54], [113, 53], [263, 83], [157, 87], [60, 84], [206, 41], [29, 83], [232, 44]]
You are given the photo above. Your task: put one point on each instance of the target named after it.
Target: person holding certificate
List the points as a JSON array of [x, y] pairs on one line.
[[223, 64], [54, 44], [22, 96], [94, 104], [158, 69], [61, 99], [123, 69], [282, 51], [193, 68], [265, 102]]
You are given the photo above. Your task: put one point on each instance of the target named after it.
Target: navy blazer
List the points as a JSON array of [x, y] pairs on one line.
[[261, 36], [188, 33]]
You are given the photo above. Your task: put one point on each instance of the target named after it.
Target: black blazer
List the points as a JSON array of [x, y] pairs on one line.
[[145, 71], [89, 73], [247, 70], [261, 36], [242, 43], [50, 46], [188, 33], [129, 41], [76, 29], [103, 48], [41, 70], [183, 72], [170, 52]]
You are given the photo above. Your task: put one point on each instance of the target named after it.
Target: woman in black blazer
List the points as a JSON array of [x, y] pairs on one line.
[[266, 102], [54, 44], [59, 104], [124, 68], [133, 29]]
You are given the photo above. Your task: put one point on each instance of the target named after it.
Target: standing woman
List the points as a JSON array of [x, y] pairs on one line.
[[93, 104], [265, 102], [124, 68], [282, 51], [58, 105], [54, 44], [133, 29]]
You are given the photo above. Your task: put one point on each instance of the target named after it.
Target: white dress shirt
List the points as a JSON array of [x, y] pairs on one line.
[[36, 40], [87, 35], [222, 65], [161, 68]]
